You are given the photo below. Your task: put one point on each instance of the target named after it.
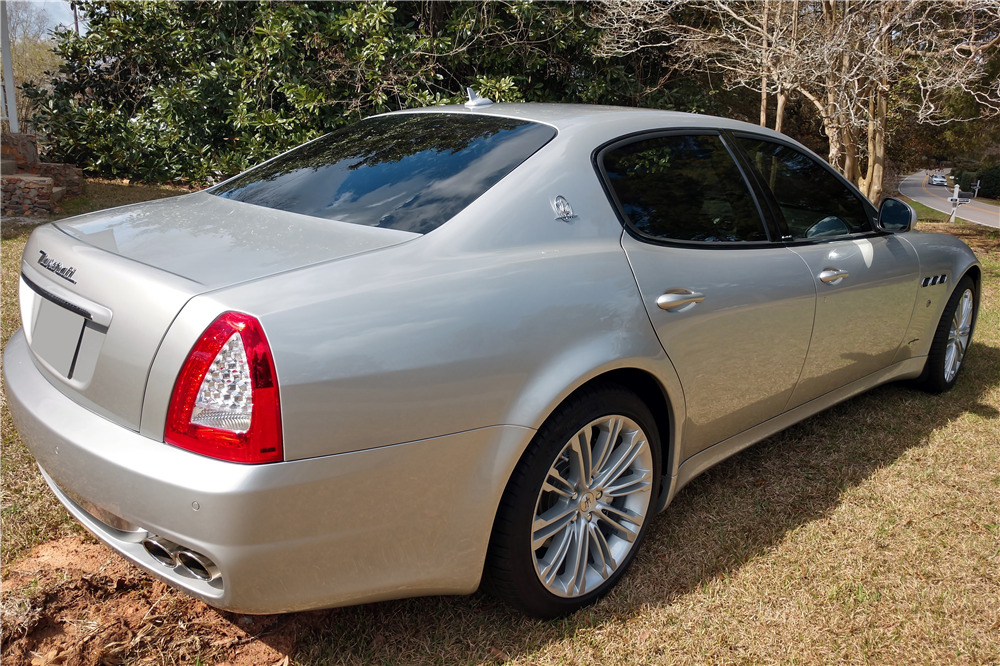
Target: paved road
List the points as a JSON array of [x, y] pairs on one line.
[[936, 196]]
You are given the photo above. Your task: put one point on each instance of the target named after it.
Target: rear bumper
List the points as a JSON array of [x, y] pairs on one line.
[[398, 521]]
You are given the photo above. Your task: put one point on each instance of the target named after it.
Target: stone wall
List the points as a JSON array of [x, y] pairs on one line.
[[27, 194], [32, 187], [22, 148], [63, 175]]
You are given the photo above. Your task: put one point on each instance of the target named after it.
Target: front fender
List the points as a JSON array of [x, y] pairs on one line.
[[944, 260]]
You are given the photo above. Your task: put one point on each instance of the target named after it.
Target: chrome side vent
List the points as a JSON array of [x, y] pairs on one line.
[[933, 280]]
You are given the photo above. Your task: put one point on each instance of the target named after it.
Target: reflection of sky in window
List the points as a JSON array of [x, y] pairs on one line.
[[417, 192]]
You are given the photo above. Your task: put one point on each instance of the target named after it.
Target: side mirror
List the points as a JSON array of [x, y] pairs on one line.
[[895, 216]]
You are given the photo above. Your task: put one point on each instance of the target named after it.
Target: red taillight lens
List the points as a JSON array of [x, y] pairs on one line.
[[225, 402]]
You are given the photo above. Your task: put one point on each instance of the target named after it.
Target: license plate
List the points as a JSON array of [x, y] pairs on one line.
[[55, 336]]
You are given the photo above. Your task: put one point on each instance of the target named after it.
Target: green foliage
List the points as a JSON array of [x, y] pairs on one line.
[[988, 176], [965, 180], [169, 91], [989, 182]]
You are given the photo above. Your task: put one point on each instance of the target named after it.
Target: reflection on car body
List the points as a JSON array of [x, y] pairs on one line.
[[454, 340]]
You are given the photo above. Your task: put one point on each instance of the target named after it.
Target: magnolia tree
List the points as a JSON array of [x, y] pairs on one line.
[[201, 90], [860, 64]]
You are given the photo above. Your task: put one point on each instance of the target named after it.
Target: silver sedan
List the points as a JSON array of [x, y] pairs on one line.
[[457, 342]]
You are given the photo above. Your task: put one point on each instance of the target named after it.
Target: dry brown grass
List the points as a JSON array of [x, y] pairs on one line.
[[28, 513], [868, 534]]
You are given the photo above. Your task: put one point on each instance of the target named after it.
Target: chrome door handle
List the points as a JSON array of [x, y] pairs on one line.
[[678, 298], [832, 276]]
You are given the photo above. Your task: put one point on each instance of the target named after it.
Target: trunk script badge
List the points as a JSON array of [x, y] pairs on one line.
[[65, 272]]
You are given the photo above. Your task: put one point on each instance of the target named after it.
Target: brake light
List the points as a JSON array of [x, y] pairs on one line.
[[225, 402]]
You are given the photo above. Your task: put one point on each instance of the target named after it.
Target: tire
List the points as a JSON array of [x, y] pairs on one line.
[[951, 339], [560, 509]]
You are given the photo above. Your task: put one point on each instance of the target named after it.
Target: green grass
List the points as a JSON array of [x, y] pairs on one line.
[[869, 533], [927, 214]]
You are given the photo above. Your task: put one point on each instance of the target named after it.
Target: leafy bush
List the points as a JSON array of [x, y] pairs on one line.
[[989, 185], [175, 91]]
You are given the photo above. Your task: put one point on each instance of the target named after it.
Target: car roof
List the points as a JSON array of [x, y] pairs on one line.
[[617, 120]]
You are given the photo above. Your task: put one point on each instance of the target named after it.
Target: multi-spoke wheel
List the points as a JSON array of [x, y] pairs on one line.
[[951, 339], [577, 504]]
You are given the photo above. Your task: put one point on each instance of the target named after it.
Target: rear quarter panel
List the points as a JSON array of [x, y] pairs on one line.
[[490, 320]]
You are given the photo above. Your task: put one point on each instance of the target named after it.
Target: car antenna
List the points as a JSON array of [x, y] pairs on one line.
[[476, 100]]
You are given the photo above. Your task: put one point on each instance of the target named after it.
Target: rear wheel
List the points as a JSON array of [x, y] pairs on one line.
[[577, 505], [951, 339]]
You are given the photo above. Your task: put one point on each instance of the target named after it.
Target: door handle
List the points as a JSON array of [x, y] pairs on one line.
[[678, 298], [832, 276]]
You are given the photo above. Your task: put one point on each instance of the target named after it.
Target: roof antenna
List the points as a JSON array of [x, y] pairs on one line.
[[475, 100]]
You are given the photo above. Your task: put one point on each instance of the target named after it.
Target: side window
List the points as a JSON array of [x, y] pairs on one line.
[[813, 202], [683, 187]]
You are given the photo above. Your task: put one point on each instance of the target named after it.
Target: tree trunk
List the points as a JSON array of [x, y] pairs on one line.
[[836, 146], [865, 181], [763, 70], [877, 157], [850, 148], [779, 115]]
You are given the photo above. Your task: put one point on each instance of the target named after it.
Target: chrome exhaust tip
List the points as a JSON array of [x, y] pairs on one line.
[[197, 565], [161, 550]]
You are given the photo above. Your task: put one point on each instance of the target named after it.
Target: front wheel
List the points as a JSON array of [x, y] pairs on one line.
[[951, 339], [577, 505]]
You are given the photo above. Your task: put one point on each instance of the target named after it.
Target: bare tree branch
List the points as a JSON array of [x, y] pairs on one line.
[[845, 57]]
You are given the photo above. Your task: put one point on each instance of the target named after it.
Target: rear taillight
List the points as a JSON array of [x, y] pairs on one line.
[[225, 402]]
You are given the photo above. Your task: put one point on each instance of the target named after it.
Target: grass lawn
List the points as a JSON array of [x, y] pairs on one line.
[[867, 534]]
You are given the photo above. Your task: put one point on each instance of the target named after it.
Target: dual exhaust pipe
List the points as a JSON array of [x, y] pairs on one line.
[[172, 556]]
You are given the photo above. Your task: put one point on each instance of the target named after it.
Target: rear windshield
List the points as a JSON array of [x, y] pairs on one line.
[[410, 172]]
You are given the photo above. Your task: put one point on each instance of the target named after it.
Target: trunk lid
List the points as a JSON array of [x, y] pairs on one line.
[[218, 242], [99, 291]]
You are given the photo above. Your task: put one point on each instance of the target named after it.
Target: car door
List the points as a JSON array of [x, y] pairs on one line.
[[865, 281], [732, 309]]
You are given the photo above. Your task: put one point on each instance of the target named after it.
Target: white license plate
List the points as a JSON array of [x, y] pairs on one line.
[[55, 336]]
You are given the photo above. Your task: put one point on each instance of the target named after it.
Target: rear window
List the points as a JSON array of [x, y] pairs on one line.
[[410, 172]]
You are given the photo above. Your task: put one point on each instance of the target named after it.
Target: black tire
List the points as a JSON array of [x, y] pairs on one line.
[[603, 513], [951, 339]]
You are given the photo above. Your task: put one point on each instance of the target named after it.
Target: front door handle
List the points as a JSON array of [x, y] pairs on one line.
[[832, 276], [675, 300]]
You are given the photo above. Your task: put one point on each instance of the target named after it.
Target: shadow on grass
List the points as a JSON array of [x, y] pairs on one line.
[[733, 513]]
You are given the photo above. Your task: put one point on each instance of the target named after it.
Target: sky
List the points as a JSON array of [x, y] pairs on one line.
[[59, 12]]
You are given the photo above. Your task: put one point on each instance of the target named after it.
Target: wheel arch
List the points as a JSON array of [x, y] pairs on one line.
[[648, 389], [662, 395], [976, 273], [601, 391]]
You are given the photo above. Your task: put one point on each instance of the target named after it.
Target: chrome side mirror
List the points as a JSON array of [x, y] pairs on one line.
[[895, 216]]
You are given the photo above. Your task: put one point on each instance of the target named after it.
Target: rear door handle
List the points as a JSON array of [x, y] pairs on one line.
[[678, 298], [832, 276]]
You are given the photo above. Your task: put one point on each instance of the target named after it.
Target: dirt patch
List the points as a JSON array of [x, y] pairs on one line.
[[71, 601]]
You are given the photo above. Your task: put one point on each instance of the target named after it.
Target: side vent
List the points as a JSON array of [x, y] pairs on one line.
[[933, 280]]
